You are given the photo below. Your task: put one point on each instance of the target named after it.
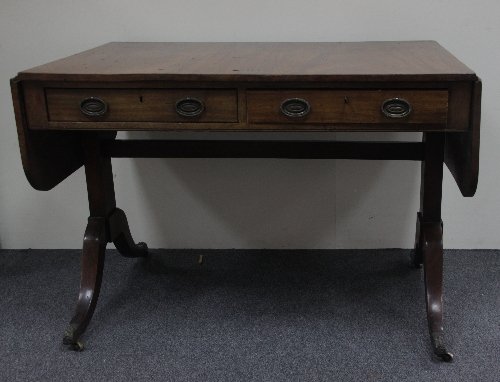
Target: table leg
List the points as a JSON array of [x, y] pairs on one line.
[[94, 247], [417, 258], [430, 239], [122, 238], [105, 224]]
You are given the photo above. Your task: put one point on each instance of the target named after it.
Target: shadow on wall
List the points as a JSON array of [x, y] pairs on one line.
[[274, 203]]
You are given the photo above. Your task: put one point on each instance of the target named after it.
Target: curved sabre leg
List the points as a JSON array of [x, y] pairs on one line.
[[417, 259], [432, 234], [122, 238], [429, 238], [94, 247], [106, 223]]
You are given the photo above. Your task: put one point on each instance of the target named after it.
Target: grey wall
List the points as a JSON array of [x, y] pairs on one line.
[[251, 203]]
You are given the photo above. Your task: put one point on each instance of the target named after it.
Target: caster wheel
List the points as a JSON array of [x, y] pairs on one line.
[[77, 346], [446, 356]]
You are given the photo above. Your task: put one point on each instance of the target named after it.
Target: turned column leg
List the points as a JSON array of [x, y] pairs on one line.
[[429, 239], [105, 224]]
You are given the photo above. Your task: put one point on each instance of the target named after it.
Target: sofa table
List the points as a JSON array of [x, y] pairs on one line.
[[69, 111]]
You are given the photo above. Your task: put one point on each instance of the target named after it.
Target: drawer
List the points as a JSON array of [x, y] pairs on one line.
[[142, 105], [347, 106]]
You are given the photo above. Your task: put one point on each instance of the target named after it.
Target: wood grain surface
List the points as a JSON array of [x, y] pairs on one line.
[[348, 106], [268, 61], [142, 105]]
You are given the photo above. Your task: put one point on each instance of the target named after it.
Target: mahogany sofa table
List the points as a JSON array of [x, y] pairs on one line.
[[69, 111]]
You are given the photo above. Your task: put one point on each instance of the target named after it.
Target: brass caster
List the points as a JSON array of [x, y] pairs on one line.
[[439, 348], [445, 356], [74, 345], [70, 340], [77, 346]]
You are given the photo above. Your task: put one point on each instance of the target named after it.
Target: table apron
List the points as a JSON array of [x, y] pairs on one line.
[[263, 149]]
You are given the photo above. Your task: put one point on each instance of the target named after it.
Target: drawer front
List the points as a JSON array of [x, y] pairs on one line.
[[347, 107], [142, 105]]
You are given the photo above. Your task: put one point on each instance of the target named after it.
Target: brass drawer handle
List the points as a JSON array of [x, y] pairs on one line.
[[189, 107], [396, 108], [295, 107], [93, 107]]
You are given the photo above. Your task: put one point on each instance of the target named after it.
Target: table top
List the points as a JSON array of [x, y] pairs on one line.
[[258, 61], [246, 86]]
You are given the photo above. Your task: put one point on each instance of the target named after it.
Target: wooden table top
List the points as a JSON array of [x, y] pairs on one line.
[[262, 61]]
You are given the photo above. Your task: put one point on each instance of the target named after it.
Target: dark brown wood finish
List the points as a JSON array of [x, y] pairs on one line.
[[157, 117], [258, 61], [68, 113], [106, 223], [119, 234], [48, 158], [142, 105], [462, 150], [429, 245], [359, 110], [429, 107], [264, 149]]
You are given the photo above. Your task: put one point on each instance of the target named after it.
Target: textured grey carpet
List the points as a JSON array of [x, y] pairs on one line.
[[249, 316]]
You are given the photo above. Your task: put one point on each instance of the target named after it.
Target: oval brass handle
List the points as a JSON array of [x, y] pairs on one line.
[[295, 107], [189, 107], [396, 108], [93, 107]]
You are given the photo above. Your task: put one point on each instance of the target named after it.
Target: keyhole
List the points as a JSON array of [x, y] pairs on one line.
[[140, 99]]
